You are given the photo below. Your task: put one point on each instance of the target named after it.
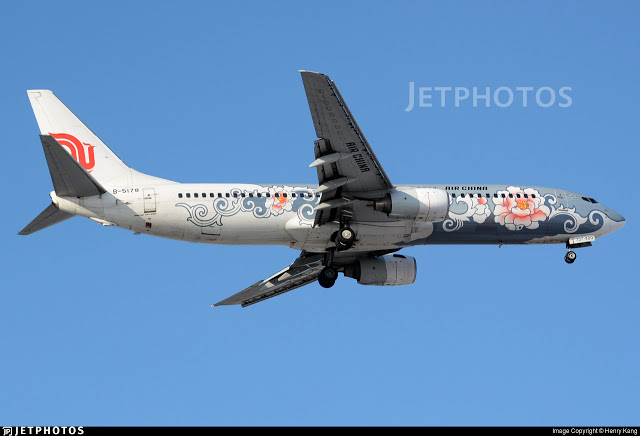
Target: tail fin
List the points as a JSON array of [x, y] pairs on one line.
[[56, 120]]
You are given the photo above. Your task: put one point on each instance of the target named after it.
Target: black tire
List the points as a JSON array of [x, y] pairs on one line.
[[340, 246], [327, 277], [329, 274], [324, 283], [345, 238], [570, 257]]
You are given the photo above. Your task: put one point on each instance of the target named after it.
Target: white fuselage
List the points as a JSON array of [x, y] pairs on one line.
[[252, 214], [189, 212]]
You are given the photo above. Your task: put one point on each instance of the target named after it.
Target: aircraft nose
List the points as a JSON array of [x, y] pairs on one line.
[[618, 219]]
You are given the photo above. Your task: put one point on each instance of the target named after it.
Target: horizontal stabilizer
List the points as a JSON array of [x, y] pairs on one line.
[[48, 217], [69, 178]]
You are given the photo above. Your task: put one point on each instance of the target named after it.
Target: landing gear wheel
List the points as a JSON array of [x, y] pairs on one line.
[[570, 257], [345, 238], [327, 277]]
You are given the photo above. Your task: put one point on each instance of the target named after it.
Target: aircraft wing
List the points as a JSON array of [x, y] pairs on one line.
[[347, 167], [303, 271]]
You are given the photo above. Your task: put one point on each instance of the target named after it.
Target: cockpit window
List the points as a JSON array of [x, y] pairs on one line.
[[592, 200]]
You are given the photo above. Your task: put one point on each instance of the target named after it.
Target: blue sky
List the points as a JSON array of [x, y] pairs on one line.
[[100, 327]]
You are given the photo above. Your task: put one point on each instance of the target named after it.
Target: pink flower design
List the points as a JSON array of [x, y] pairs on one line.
[[520, 208], [279, 200]]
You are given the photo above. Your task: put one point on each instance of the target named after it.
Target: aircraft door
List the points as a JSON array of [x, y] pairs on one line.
[[564, 198], [149, 196]]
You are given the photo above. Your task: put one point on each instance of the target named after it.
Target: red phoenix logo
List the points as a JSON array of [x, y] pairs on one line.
[[81, 151]]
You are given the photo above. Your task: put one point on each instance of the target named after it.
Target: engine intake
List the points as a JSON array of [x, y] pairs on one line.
[[389, 270], [420, 204]]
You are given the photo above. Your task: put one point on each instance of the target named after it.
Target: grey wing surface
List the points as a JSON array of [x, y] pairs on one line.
[[303, 271], [48, 217], [346, 165]]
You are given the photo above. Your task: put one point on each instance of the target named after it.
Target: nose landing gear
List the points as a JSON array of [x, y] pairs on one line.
[[577, 242], [570, 257]]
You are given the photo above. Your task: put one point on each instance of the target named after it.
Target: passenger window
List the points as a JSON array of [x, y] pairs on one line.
[[293, 195], [462, 195], [453, 194], [211, 194], [179, 195], [195, 195], [495, 195], [242, 195], [518, 195], [284, 195], [259, 195], [533, 195], [526, 196], [235, 195], [188, 195], [503, 196], [226, 194], [219, 194], [510, 195]]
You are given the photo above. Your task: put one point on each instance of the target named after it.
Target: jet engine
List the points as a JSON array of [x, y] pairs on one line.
[[388, 270], [420, 204]]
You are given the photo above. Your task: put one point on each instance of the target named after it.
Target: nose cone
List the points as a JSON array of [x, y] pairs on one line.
[[617, 220], [619, 223]]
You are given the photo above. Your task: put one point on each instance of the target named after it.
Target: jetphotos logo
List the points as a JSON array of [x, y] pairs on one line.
[[81, 151], [40, 431], [502, 97]]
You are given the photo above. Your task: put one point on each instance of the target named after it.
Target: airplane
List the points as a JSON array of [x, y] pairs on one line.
[[353, 221]]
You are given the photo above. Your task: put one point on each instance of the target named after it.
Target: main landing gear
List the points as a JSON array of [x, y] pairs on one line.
[[327, 277], [345, 238]]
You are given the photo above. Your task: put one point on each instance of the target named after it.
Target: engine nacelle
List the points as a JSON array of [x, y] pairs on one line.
[[388, 270], [420, 204]]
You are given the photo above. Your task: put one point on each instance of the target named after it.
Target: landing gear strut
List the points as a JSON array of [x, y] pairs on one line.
[[345, 237]]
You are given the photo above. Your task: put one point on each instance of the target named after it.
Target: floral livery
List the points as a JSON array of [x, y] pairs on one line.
[[517, 209], [280, 199], [464, 209]]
